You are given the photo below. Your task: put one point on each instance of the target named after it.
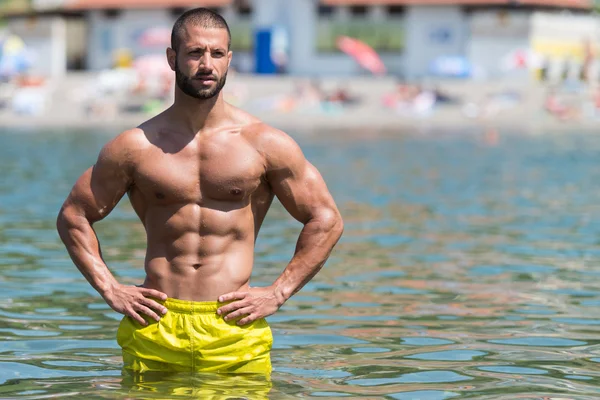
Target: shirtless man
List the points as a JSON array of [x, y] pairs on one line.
[[201, 176]]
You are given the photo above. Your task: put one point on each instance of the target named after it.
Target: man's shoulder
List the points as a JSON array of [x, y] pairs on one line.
[[278, 148], [125, 144], [256, 131], [267, 138], [132, 137]]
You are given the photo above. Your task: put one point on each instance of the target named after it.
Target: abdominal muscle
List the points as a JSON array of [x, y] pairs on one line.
[[196, 253]]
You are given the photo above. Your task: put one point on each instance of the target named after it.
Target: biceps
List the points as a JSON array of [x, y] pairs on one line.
[[95, 194], [304, 195]]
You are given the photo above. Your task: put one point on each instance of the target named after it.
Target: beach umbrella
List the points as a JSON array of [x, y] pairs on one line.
[[155, 36], [14, 56], [362, 53]]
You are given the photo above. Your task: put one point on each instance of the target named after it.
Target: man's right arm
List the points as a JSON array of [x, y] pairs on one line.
[[93, 197]]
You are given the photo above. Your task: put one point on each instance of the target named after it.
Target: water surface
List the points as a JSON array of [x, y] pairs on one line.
[[466, 271]]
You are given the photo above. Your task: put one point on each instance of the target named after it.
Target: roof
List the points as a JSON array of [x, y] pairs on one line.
[[26, 6], [551, 3], [108, 4]]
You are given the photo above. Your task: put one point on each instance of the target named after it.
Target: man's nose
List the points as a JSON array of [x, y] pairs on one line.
[[206, 61]]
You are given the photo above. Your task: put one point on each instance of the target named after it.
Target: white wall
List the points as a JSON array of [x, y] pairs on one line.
[[106, 35], [300, 18], [433, 31], [489, 56], [565, 27], [45, 38], [494, 35], [565, 42]]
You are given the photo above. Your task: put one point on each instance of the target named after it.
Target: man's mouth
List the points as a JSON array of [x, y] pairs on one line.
[[205, 78]]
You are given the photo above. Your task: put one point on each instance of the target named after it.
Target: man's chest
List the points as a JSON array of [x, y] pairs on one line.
[[196, 174]]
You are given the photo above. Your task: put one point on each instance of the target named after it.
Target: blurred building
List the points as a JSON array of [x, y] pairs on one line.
[[415, 38]]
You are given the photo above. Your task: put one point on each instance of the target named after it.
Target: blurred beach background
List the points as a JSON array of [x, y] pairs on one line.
[[531, 65], [457, 137]]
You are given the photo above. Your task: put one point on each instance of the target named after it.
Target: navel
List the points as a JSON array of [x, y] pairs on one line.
[[197, 265], [159, 195], [236, 191]]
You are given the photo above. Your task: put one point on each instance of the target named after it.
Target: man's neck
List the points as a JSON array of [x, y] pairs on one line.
[[194, 115]]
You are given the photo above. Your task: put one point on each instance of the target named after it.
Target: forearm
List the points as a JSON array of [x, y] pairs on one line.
[[83, 246], [316, 240]]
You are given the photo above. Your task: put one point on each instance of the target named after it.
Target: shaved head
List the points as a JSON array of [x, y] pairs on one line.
[[202, 17]]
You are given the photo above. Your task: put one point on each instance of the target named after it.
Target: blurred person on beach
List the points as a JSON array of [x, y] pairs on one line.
[[559, 108], [201, 177]]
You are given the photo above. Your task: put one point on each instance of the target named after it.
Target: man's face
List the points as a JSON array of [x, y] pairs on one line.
[[201, 62]]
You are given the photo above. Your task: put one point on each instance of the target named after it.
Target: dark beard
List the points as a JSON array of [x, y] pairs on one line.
[[184, 83]]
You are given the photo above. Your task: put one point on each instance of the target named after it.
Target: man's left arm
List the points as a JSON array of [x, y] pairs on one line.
[[302, 191]]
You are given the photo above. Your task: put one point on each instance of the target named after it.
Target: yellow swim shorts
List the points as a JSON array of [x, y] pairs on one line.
[[192, 337]]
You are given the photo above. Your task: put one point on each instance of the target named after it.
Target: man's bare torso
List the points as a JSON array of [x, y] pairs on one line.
[[202, 200], [201, 177]]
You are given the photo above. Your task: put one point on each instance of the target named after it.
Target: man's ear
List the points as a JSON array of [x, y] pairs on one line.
[[171, 57]]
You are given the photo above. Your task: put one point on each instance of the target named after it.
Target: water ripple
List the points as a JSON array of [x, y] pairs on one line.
[[465, 271]]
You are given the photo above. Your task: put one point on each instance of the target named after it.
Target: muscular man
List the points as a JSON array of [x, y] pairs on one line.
[[201, 177]]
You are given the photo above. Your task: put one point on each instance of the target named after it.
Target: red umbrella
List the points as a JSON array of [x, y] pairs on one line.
[[362, 53]]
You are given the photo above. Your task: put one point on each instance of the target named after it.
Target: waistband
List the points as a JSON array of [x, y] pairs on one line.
[[191, 307]]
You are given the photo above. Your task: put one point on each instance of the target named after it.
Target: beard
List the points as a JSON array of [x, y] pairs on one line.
[[184, 83]]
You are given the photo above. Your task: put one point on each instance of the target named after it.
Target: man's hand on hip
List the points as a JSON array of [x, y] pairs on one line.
[[133, 301], [254, 304]]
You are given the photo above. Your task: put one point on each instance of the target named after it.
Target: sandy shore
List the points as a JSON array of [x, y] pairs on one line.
[[257, 94]]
